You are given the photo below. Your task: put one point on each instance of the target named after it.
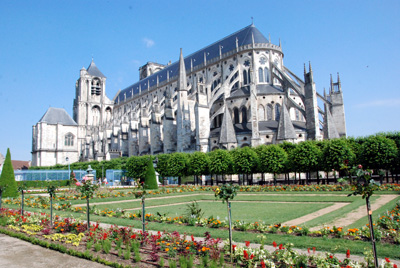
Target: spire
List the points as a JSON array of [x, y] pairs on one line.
[[227, 131], [280, 44], [339, 83], [252, 38], [182, 83], [94, 71], [305, 70], [331, 89], [285, 128], [237, 44], [269, 38], [324, 93], [309, 66]]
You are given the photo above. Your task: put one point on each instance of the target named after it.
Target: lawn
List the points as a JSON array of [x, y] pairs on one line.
[[270, 213]]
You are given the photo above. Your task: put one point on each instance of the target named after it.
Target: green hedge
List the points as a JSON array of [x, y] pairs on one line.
[[41, 184]]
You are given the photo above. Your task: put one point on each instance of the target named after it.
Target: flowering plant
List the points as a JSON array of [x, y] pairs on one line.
[[86, 188], [226, 192]]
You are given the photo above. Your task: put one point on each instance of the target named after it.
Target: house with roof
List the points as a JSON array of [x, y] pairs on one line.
[[232, 93]]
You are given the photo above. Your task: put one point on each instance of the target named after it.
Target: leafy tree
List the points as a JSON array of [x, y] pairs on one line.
[[378, 152], [305, 157], [335, 153], [177, 166], [198, 164], [7, 177], [221, 162], [136, 167], [272, 158], [150, 181], [245, 160], [162, 165], [288, 147]]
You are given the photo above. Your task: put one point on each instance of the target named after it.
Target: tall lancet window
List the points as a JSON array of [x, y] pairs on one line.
[[260, 75], [261, 113], [266, 73], [269, 111], [96, 115], [277, 112]]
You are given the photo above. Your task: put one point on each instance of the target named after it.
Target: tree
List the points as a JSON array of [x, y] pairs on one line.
[[198, 163], [272, 158], [162, 165], [7, 177], [221, 162], [150, 181], [245, 161], [305, 156], [177, 166], [335, 153], [136, 167], [378, 152]]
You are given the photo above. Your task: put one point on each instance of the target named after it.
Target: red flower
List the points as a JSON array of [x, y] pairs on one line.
[[281, 247], [394, 265], [247, 243], [308, 250], [331, 256], [348, 253], [192, 237], [133, 236], [233, 248], [359, 166], [252, 256], [246, 255], [313, 249], [274, 244], [263, 264], [387, 259]]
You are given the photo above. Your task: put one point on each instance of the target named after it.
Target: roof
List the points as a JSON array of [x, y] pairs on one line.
[[55, 116], [18, 164], [94, 71], [243, 37]]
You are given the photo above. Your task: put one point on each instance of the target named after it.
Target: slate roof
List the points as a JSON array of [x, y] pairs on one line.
[[55, 116], [244, 37], [94, 71]]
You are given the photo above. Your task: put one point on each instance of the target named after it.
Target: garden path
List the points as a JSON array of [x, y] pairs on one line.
[[358, 213], [16, 253], [315, 214]]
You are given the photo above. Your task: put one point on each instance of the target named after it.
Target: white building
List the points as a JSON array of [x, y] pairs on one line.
[[235, 92]]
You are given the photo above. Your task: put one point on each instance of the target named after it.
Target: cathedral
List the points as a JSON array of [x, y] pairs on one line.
[[233, 93]]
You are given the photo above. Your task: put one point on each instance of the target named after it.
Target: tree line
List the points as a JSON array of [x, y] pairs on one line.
[[377, 152]]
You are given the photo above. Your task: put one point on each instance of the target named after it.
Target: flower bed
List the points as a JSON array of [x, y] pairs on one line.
[[125, 247]]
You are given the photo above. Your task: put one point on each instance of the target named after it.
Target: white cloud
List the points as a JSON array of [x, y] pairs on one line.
[[379, 103], [148, 42]]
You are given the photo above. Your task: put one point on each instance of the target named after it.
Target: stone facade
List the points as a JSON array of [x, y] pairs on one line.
[[235, 92]]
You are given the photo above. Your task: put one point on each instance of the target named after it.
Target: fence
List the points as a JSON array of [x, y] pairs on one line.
[[43, 175]]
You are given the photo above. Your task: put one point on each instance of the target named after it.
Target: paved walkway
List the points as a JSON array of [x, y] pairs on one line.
[[16, 253]]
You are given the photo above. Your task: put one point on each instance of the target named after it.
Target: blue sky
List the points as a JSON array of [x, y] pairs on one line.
[[44, 44]]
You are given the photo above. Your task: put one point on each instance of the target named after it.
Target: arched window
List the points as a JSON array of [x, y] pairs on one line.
[[245, 81], [297, 115], [260, 75], [96, 115], [277, 112], [236, 115], [96, 87], [244, 115], [108, 114], [269, 112], [266, 73], [261, 113], [69, 139]]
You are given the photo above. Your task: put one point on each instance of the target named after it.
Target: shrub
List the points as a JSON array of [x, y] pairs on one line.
[[7, 178]]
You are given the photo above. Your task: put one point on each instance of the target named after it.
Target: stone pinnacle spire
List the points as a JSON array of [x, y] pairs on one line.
[[182, 83]]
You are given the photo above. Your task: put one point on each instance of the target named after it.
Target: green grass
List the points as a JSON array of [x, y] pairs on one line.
[[337, 214], [375, 214], [270, 213]]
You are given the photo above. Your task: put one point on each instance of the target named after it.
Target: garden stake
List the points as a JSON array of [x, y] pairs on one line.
[[371, 228], [143, 217], [51, 210], [87, 213], [230, 228], [22, 203]]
